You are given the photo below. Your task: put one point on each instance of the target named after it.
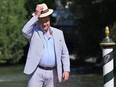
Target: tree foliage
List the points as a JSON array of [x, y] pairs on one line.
[[93, 16], [13, 16], [12, 19]]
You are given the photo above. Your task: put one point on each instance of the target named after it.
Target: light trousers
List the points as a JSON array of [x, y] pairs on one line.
[[43, 78]]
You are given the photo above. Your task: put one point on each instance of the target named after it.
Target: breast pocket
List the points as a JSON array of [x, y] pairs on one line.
[[60, 44], [59, 48]]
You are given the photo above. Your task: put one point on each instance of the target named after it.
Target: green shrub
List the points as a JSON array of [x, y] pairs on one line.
[[12, 19]]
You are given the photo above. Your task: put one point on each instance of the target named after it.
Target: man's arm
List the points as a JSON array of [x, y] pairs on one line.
[[65, 56], [65, 61], [28, 28]]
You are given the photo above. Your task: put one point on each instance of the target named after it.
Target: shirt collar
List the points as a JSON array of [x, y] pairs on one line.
[[44, 32], [51, 31]]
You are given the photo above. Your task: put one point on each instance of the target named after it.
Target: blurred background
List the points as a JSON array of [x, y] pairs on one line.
[[83, 23]]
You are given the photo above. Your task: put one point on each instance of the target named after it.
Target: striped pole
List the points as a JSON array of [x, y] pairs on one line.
[[108, 61]]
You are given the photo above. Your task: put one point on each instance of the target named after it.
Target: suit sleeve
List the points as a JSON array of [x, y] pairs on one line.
[[28, 28], [65, 56]]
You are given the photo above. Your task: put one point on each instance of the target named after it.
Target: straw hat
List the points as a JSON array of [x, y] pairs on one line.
[[45, 12]]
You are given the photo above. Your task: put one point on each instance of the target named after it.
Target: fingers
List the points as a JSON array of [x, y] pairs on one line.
[[38, 10], [65, 76]]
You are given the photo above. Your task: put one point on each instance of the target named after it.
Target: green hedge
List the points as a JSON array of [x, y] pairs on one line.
[[12, 19]]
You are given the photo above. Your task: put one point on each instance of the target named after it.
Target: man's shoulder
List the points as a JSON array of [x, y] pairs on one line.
[[55, 29]]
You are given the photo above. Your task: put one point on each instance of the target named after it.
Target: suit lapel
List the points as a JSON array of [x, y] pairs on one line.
[[55, 40], [40, 34]]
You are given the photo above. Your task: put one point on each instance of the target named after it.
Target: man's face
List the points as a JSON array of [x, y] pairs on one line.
[[44, 23]]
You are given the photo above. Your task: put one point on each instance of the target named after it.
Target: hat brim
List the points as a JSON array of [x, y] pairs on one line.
[[45, 14]]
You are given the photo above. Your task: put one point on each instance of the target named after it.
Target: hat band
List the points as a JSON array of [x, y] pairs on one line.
[[44, 11]]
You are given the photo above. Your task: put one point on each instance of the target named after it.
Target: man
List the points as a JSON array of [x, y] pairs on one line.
[[48, 57]]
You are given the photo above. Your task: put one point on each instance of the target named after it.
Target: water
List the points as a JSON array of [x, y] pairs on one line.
[[12, 76]]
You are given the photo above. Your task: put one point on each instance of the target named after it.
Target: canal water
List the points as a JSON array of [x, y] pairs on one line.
[[12, 76]]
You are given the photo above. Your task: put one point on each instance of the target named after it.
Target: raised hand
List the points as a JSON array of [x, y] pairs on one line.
[[38, 11]]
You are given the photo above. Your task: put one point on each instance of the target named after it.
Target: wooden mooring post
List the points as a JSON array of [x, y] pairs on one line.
[[108, 60]]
